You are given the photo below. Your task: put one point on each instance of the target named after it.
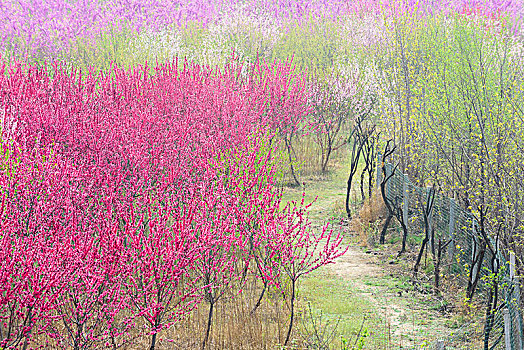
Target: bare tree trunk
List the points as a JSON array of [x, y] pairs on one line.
[[404, 237], [428, 229], [153, 342], [326, 159], [355, 156], [28, 335], [259, 301], [474, 279], [371, 171], [292, 312], [492, 305], [292, 168], [385, 228], [362, 175], [383, 183], [420, 253], [208, 328], [348, 191]]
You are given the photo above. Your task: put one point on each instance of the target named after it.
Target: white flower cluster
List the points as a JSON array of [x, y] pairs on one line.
[[242, 28], [161, 45]]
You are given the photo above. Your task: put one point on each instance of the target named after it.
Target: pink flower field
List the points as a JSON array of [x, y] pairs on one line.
[[150, 150]]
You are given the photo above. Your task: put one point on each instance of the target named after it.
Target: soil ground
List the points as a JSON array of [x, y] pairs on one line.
[[368, 285]]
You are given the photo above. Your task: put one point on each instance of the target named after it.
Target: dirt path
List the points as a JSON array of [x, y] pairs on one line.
[[411, 320], [408, 323]]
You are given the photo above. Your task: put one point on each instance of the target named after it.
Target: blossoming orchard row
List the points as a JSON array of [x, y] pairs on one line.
[[93, 33], [129, 200]]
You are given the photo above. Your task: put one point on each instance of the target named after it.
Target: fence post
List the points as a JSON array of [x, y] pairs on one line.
[[520, 335], [379, 169], [405, 207], [507, 329], [511, 266], [451, 228], [516, 297]]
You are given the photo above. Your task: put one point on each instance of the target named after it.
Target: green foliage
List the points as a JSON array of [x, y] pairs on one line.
[[315, 45], [452, 95], [110, 46]]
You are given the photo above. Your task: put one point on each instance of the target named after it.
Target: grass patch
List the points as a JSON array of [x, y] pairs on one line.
[[339, 299]]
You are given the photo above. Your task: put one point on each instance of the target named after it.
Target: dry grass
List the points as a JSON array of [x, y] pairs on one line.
[[368, 220], [234, 325], [306, 160]]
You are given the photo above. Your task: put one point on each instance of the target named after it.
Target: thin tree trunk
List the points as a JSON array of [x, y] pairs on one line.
[[362, 175], [208, 328], [113, 342], [348, 191], [490, 316], [404, 236], [432, 237], [385, 228], [420, 253], [26, 343], [153, 341], [292, 312], [78, 339], [489, 319], [370, 181], [476, 264], [156, 326], [288, 147], [326, 160], [259, 301], [244, 271], [358, 142], [383, 183], [28, 335]]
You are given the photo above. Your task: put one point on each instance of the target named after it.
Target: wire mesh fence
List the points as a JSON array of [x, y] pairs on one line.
[[474, 261]]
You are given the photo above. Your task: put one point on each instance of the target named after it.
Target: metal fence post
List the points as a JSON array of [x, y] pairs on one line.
[[507, 329], [451, 228], [379, 169], [516, 298], [520, 335], [512, 266], [405, 207]]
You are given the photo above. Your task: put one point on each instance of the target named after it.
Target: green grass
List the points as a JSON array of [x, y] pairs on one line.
[[392, 283], [338, 299], [328, 191]]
